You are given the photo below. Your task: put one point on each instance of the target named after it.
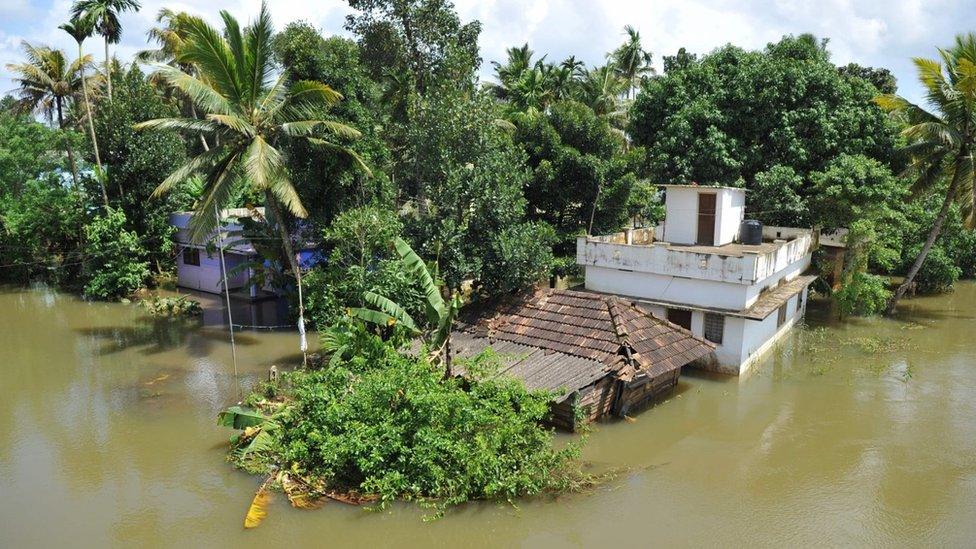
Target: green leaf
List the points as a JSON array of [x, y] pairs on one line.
[[418, 269], [391, 308], [240, 418]]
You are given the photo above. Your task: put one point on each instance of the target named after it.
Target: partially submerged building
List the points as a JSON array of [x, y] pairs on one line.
[[198, 264], [738, 285], [600, 354]]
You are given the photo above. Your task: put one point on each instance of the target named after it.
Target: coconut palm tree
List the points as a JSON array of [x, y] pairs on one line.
[[171, 38], [631, 61], [104, 16], [47, 84], [80, 29], [249, 112], [576, 67], [519, 61], [941, 141]]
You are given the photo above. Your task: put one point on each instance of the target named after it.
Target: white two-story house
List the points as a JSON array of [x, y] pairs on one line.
[[696, 271]]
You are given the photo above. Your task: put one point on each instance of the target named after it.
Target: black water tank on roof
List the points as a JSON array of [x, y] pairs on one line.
[[750, 232]]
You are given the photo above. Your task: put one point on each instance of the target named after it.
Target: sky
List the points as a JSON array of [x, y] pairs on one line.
[[880, 33]]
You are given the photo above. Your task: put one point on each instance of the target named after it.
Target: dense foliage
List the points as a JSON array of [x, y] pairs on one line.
[[360, 261], [581, 174], [140, 161], [331, 184], [115, 264], [469, 211], [382, 422], [493, 183], [172, 306], [734, 113]]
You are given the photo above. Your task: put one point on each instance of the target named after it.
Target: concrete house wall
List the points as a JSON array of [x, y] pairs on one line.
[[760, 335], [681, 213], [743, 340], [666, 269]]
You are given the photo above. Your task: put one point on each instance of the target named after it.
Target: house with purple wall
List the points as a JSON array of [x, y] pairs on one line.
[[198, 264]]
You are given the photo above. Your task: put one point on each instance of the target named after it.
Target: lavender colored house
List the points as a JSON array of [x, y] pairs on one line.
[[198, 268]]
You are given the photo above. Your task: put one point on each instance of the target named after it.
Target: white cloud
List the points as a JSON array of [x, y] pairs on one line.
[[874, 32]]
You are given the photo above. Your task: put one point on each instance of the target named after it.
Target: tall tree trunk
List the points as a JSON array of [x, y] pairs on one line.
[[293, 262], [67, 144], [108, 70], [91, 129], [933, 235]]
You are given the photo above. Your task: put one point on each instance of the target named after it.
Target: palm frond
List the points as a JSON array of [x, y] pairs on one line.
[[201, 163], [207, 49], [262, 163], [301, 128], [309, 92], [285, 192], [179, 124], [234, 122], [217, 192], [937, 132], [257, 45], [200, 91], [344, 151]]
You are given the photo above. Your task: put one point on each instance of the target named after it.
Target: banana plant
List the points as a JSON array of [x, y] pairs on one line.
[[440, 313]]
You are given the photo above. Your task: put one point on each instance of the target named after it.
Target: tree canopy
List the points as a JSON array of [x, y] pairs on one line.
[[729, 115]]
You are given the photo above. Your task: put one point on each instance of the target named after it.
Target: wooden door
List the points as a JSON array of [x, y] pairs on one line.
[[681, 317], [706, 219]]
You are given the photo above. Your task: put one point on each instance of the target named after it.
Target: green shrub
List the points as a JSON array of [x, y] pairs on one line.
[[938, 273], [360, 260], [115, 265], [863, 294], [180, 306], [329, 291], [380, 422], [966, 254]]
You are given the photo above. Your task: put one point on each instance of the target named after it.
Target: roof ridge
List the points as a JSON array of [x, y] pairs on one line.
[[618, 327]]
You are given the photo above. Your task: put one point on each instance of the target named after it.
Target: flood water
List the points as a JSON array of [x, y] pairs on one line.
[[861, 433]]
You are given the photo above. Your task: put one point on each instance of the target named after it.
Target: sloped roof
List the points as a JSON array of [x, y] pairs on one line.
[[537, 368], [602, 328], [773, 299]]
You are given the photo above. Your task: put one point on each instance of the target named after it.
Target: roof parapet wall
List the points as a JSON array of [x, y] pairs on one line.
[[732, 263]]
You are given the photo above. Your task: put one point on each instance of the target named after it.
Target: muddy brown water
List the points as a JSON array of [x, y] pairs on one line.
[[857, 433]]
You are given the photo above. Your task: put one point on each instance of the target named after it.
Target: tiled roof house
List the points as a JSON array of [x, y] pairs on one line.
[[602, 354]]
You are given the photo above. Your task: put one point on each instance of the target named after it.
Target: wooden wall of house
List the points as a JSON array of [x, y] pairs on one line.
[[597, 400], [594, 400], [637, 396]]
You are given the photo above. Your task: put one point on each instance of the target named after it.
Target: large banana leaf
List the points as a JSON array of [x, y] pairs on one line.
[[388, 306], [373, 317], [240, 418], [416, 267]]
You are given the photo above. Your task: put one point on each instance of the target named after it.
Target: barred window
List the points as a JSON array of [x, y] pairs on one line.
[[714, 327]]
